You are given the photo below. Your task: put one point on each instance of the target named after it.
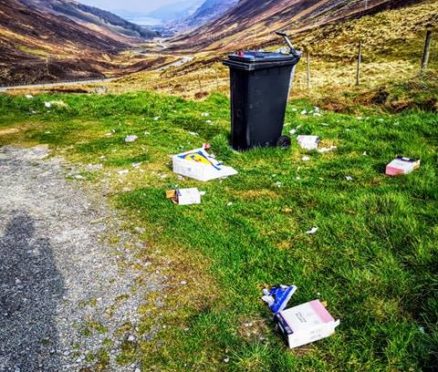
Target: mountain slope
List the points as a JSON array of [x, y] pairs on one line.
[[39, 46], [252, 22], [209, 10], [94, 18]]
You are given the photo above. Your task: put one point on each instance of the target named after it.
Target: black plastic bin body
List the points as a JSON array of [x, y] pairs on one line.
[[260, 84]]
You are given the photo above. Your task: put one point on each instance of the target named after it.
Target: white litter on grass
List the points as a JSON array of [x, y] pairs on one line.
[[364, 153], [205, 114], [208, 121], [293, 131], [146, 133], [156, 118], [29, 96], [294, 109], [305, 158], [136, 165], [349, 178], [48, 104], [324, 124], [312, 231], [317, 114], [229, 204], [194, 134], [108, 134], [202, 193], [297, 178], [324, 150], [308, 142], [278, 184], [304, 112], [131, 138]]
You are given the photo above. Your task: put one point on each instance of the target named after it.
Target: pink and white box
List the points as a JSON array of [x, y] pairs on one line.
[[401, 166], [306, 323]]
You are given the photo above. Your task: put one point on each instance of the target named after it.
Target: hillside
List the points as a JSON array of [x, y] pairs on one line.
[[209, 10], [94, 18], [40, 45], [252, 22]]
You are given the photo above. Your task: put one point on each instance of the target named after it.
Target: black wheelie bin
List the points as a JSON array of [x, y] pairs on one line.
[[260, 84]]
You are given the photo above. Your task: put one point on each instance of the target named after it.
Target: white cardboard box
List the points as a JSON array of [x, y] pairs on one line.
[[401, 165], [198, 164], [308, 142], [184, 196], [306, 323]]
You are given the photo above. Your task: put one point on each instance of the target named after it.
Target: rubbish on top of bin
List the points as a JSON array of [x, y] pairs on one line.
[[201, 166], [401, 166], [184, 196], [306, 323], [277, 298], [308, 142]]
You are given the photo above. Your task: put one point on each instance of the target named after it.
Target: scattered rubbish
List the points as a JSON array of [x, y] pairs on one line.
[[278, 184], [349, 178], [131, 138], [325, 124], [229, 204], [29, 96], [100, 90], [324, 150], [308, 142], [208, 121], [184, 196], [306, 323], [205, 114], [401, 166], [201, 166], [304, 112], [194, 134], [136, 165], [50, 104], [317, 114], [278, 297], [312, 231], [146, 133], [294, 109], [109, 134], [292, 131], [226, 359], [156, 118], [364, 153], [305, 158]]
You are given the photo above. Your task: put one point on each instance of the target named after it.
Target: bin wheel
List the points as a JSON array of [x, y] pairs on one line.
[[284, 142]]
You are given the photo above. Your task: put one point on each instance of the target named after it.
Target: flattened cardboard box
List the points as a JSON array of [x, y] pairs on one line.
[[184, 196], [199, 165]]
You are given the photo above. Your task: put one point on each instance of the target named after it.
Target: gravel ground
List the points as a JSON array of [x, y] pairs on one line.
[[65, 294]]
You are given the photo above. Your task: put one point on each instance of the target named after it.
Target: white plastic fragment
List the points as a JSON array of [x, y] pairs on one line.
[[308, 142], [349, 178], [324, 150], [312, 231], [131, 138], [305, 158], [29, 96]]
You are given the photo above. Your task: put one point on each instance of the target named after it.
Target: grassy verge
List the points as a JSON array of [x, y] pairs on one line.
[[372, 259]]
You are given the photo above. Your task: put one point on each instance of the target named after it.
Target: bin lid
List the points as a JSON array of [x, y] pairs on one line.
[[253, 60], [251, 56]]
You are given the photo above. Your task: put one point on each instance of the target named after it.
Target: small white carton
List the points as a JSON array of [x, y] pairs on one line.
[[306, 323], [401, 165], [308, 142], [184, 196], [198, 164]]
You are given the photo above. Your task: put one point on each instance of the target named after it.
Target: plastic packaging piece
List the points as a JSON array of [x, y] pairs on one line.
[[201, 166], [401, 166], [131, 138], [308, 142], [277, 298], [306, 323]]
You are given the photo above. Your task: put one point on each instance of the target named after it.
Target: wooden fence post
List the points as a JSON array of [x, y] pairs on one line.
[[359, 61], [308, 69], [426, 51]]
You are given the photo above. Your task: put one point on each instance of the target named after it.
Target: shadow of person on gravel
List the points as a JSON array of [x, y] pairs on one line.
[[30, 289]]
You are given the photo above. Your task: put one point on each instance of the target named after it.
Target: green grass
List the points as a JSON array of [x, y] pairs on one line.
[[373, 259]]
